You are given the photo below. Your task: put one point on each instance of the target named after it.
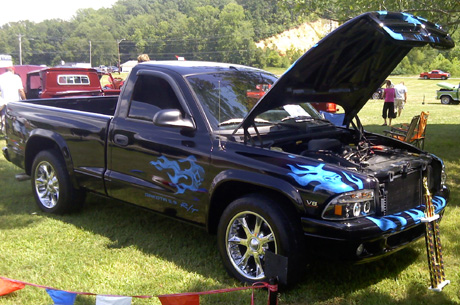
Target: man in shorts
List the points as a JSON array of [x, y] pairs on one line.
[[400, 97], [11, 90]]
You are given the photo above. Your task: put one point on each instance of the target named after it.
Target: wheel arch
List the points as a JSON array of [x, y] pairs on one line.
[[451, 100], [233, 184], [40, 140]]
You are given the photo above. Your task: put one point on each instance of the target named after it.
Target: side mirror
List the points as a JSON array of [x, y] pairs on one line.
[[172, 118]]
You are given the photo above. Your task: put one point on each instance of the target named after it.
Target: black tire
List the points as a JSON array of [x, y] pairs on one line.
[[425, 77], [51, 184], [249, 227], [446, 100], [443, 77]]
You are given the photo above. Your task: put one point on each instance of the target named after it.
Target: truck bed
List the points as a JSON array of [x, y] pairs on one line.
[[100, 104], [79, 124]]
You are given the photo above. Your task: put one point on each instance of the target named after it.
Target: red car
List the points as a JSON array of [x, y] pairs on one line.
[[435, 74]]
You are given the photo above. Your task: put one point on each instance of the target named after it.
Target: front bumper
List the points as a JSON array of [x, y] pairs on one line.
[[368, 238]]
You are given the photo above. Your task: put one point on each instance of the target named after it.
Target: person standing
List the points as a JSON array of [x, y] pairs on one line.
[[389, 104], [11, 90], [400, 97]]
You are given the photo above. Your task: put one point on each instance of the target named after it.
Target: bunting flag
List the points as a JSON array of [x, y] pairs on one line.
[[185, 299], [7, 286], [64, 297], [61, 297], [112, 300]]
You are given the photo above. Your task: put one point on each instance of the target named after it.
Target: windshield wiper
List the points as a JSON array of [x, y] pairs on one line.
[[230, 122], [239, 120], [300, 118]]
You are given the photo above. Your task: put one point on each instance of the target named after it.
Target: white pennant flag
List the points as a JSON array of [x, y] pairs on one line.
[[112, 300]]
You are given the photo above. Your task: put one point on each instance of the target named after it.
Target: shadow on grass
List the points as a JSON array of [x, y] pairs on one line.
[[193, 249], [15, 197]]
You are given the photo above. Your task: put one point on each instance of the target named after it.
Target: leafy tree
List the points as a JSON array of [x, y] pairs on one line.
[[200, 39], [268, 17], [234, 32]]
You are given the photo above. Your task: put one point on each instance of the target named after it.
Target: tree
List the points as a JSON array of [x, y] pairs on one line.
[[200, 44], [234, 33]]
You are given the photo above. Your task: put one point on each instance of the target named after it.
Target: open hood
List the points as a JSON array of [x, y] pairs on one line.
[[447, 86], [350, 63]]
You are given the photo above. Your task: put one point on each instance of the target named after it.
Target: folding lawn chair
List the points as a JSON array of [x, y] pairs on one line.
[[413, 133], [405, 132], [419, 138]]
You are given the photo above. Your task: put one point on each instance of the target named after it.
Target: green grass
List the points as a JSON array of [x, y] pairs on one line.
[[112, 248]]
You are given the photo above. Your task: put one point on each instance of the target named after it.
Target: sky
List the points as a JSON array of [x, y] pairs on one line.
[[39, 10]]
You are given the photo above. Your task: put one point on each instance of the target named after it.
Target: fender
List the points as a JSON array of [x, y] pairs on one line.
[[33, 147], [256, 179]]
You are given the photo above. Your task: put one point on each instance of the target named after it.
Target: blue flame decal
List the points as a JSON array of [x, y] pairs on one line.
[[327, 180], [193, 174], [439, 203], [398, 221]]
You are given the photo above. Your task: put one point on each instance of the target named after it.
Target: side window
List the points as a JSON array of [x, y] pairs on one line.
[[150, 95]]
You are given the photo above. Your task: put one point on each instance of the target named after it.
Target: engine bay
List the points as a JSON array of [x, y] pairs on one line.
[[355, 150]]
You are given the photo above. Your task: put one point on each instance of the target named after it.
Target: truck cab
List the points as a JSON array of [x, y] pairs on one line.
[[62, 82]]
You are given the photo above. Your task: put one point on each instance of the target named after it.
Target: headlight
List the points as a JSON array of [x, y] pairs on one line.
[[351, 205]]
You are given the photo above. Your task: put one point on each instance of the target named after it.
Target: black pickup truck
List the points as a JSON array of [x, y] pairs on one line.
[[270, 176]]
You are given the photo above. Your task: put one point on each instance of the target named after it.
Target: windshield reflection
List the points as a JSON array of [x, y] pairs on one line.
[[228, 96]]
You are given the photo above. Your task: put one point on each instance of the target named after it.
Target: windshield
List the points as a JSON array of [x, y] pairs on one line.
[[228, 96]]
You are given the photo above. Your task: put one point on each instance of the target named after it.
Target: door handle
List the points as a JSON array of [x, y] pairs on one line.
[[121, 140]]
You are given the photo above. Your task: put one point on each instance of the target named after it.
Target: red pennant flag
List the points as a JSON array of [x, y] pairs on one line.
[[7, 287], [186, 299]]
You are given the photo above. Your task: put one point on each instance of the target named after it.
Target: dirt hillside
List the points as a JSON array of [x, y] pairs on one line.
[[302, 37]]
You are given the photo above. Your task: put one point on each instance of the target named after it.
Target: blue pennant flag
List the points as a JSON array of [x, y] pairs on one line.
[[61, 297]]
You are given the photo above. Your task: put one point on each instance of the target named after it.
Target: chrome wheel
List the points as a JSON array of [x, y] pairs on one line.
[[46, 185], [445, 100], [248, 236]]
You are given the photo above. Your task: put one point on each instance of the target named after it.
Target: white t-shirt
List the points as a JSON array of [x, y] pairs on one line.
[[400, 90], [10, 84]]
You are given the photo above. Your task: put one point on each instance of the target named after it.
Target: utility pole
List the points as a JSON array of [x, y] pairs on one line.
[[20, 48], [118, 45], [90, 63]]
